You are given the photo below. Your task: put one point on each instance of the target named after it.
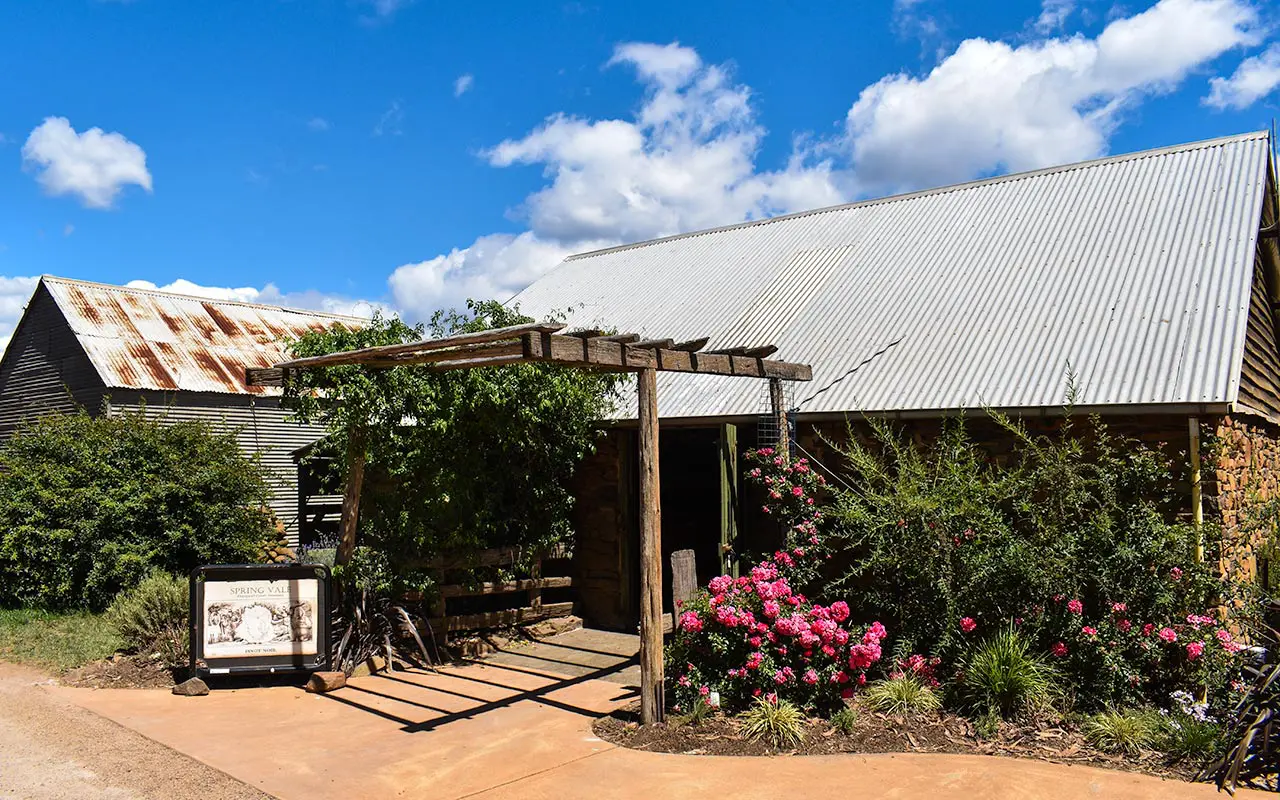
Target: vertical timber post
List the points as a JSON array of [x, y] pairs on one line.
[[1197, 502], [351, 497], [728, 498], [652, 703], [778, 404]]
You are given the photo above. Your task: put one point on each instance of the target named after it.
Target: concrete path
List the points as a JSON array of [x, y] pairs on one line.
[[53, 750], [505, 730], [609, 656]]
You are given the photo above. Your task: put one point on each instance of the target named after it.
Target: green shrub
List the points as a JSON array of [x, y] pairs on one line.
[[89, 506], [902, 696], [701, 711], [932, 534], [1130, 731], [778, 722], [1001, 675], [151, 618], [845, 720]]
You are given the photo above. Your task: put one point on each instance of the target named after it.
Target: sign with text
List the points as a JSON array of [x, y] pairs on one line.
[[259, 618]]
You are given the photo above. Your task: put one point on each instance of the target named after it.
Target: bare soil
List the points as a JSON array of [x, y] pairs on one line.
[[1047, 740], [53, 750], [123, 671]]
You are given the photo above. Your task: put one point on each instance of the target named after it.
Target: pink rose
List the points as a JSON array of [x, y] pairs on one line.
[[1075, 607], [1194, 650], [968, 625], [1088, 631], [1168, 634], [1059, 649], [691, 622], [839, 611]]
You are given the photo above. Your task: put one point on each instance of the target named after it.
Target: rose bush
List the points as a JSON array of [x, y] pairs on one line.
[[756, 635]]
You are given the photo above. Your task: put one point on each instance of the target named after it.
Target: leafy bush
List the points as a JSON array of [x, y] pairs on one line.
[[1001, 675], [1188, 732], [940, 540], [1129, 731], [489, 452], [90, 506], [701, 711], [902, 696], [845, 720], [776, 721], [152, 617]]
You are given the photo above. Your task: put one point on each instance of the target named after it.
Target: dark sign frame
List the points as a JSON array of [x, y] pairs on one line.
[[269, 664]]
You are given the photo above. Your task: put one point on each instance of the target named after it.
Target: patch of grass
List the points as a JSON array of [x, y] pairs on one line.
[[701, 710], [902, 696], [58, 641], [844, 720], [779, 722], [1003, 676], [1185, 738], [1130, 731]]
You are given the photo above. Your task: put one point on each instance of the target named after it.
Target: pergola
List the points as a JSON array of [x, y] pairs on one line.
[[546, 343]]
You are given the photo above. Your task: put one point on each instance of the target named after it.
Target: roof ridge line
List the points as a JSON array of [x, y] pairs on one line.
[[937, 190], [46, 278]]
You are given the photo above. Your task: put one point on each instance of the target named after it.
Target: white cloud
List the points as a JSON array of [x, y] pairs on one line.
[[991, 106], [384, 9], [92, 165], [318, 124], [14, 294], [463, 84], [271, 295], [1255, 78], [389, 122], [686, 160], [1053, 15]]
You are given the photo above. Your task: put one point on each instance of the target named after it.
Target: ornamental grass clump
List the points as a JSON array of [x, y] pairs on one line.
[[1001, 676], [1129, 731], [902, 696], [772, 720]]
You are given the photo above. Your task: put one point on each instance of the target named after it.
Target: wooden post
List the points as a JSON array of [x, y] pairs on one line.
[[728, 498], [351, 498], [778, 404], [1197, 504], [652, 703], [684, 582]]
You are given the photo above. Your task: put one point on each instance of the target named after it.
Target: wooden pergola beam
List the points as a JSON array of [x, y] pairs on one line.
[[568, 350], [408, 349]]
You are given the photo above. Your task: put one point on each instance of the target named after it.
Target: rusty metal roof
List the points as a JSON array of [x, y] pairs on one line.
[[147, 339]]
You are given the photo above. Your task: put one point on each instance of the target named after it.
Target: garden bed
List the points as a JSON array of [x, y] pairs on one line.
[[1052, 740], [123, 671]]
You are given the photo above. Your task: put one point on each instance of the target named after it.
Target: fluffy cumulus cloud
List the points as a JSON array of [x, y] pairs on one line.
[[685, 160], [1254, 79], [991, 106], [463, 84], [93, 166], [271, 295]]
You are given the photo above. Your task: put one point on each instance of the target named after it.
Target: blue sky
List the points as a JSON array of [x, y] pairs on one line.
[[346, 154]]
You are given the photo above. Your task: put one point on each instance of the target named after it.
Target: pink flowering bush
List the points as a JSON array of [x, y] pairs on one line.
[[1111, 659], [755, 635], [758, 634]]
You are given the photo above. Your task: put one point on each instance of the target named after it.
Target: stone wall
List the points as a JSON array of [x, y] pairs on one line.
[[1241, 474]]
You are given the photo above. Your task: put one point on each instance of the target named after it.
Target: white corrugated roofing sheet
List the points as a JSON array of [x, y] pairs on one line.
[[144, 339], [1134, 270]]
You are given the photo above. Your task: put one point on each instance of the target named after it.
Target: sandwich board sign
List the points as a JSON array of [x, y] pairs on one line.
[[259, 618]]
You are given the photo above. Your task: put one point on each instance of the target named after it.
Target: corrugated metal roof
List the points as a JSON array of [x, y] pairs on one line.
[[1134, 270], [145, 339]]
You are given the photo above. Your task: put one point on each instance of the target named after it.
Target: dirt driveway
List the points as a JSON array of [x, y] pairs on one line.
[[51, 749]]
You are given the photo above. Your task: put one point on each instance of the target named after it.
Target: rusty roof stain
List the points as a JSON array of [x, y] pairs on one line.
[[146, 339]]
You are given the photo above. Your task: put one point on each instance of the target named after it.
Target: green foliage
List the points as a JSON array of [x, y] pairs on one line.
[[1001, 675], [845, 720], [90, 506], [902, 696], [54, 640], [701, 711], [151, 618], [1129, 731], [778, 722], [456, 460], [927, 535], [1186, 738]]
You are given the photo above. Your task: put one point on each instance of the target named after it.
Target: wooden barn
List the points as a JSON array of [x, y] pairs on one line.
[[1153, 278], [110, 349]]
